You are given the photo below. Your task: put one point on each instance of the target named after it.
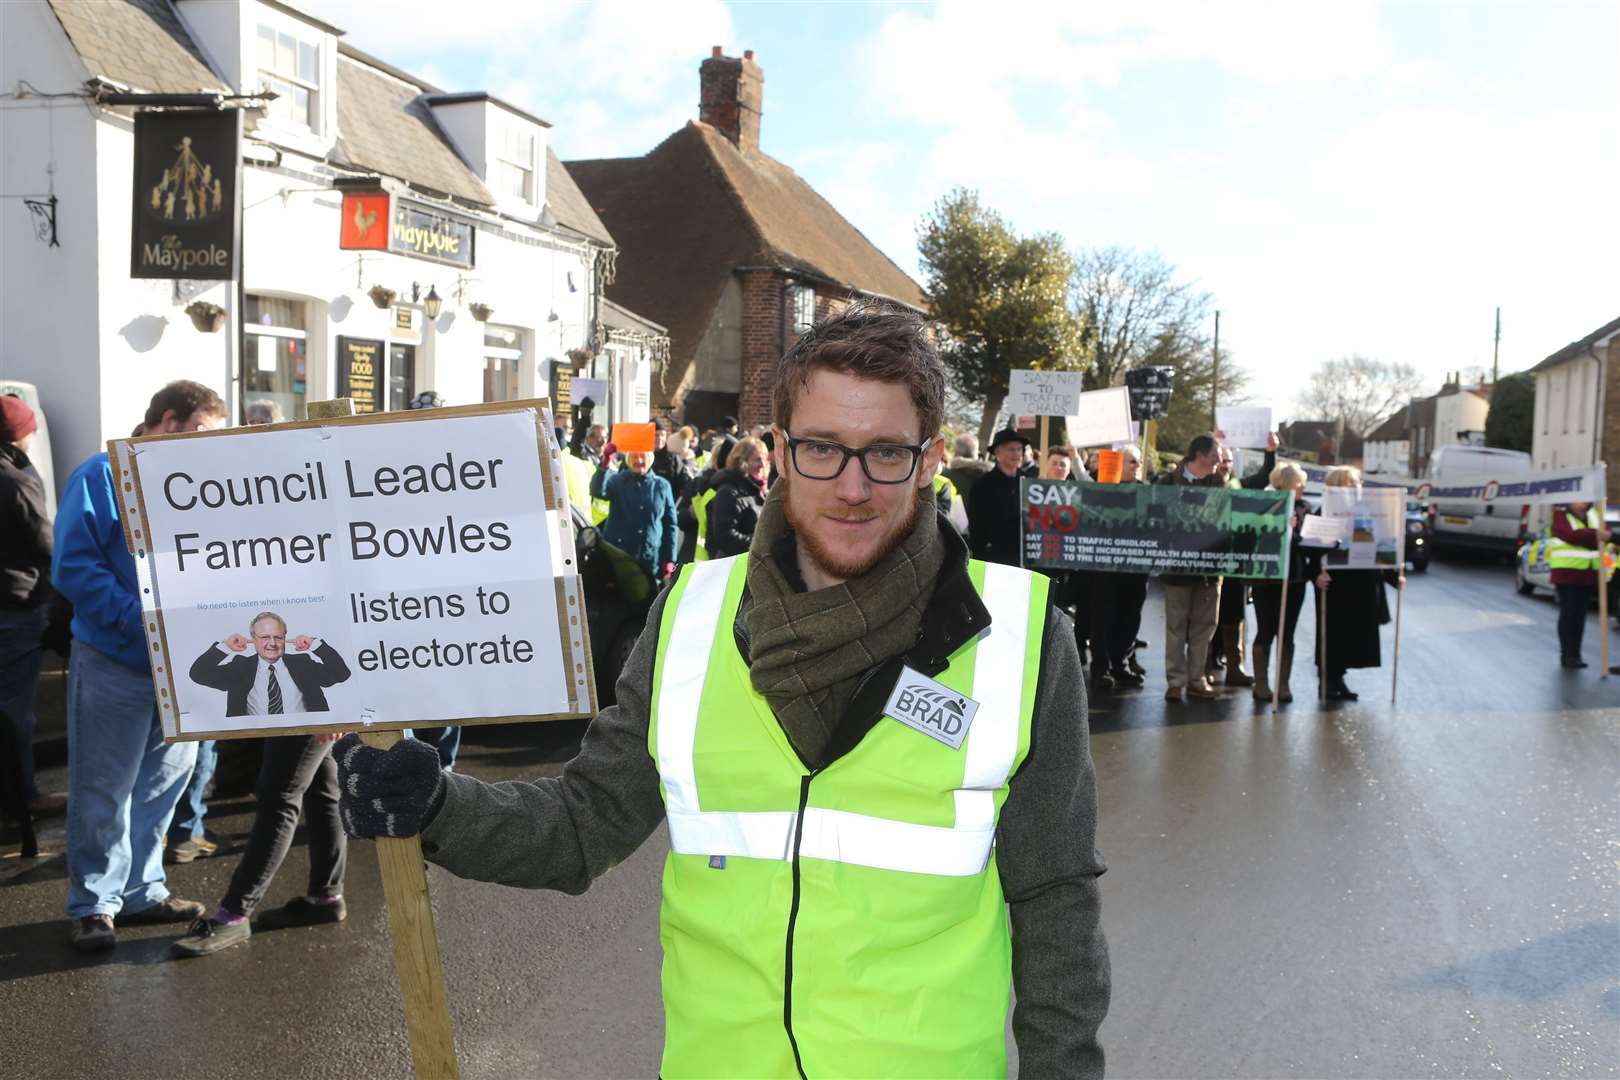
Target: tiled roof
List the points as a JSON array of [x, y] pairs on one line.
[[1577, 348], [620, 317], [694, 209], [1392, 430], [139, 43], [567, 205], [385, 127]]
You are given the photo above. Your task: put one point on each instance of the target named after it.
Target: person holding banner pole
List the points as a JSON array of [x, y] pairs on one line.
[[1273, 622], [1191, 602], [871, 752], [1350, 624], [1118, 600], [994, 502]]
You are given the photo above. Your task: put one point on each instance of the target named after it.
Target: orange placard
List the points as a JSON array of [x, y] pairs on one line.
[[1110, 466], [631, 438]]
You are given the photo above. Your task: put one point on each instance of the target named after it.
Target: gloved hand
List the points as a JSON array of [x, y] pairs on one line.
[[666, 571], [393, 792], [609, 452]]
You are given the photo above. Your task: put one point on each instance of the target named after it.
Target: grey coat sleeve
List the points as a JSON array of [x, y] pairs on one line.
[[1047, 853], [562, 832]]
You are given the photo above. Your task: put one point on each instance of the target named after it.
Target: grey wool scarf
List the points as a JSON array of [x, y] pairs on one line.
[[807, 651]]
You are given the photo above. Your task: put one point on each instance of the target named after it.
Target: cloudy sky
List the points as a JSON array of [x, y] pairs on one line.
[[1343, 177]]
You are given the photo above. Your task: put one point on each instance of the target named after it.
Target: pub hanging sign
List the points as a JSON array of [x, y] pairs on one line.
[[188, 167], [377, 221]]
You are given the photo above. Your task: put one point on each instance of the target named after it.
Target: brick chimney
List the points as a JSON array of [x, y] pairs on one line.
[[731, 91]]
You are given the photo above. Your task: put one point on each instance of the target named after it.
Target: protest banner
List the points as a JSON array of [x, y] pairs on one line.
[[1101, 418], [309, 547], [635, 438], [1155, 529], [1043, 393], [1247, 426], [1150, 389], [1371, 527], [1110, 466], [1585, 484], [406, 569]]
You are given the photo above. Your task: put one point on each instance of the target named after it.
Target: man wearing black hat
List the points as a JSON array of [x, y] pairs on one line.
[[666, 464], [992, 507]]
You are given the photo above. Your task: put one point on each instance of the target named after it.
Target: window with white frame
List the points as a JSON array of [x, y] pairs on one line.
[[804, 307], [513, 174], [503, 363], [290, 65]]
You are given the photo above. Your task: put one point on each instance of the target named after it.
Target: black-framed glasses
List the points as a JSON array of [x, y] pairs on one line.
[[883, 463]]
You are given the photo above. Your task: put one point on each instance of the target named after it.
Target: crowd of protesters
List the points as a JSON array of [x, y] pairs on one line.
[[135, 802]]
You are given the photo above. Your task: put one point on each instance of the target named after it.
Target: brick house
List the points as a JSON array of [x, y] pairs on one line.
[[730, 249]]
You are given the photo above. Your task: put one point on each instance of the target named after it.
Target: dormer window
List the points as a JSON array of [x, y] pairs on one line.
[[290, 65], [513, 175]]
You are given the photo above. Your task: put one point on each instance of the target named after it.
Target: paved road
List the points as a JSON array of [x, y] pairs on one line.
[[1362, 891]]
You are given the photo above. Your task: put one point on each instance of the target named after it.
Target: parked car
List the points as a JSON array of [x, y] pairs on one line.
[[1531, 572], [1419, 536], [1475, 523]]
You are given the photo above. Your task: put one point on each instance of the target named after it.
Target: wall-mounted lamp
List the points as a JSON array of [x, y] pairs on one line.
[[431, 303]]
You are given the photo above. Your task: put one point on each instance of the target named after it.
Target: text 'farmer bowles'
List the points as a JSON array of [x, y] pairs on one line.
[[366, 540]]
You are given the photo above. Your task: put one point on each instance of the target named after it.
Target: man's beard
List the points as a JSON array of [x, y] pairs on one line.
[[835, 564]]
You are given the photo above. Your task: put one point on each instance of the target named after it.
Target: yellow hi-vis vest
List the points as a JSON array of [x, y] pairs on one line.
[[577, 473], [700, 509], [1566, 556], [847, 921]]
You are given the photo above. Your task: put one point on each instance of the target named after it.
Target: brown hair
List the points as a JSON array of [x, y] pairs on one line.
[[740, 449], [187, 399], [869, 340]]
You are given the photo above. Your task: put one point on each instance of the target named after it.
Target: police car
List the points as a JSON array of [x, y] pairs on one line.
[[1531, 570]]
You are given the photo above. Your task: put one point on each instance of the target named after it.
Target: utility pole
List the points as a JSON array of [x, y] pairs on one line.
[[1497, 348], [1215, 376]]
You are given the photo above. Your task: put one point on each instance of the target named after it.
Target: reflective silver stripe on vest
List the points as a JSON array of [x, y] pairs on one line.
[[837, 835]]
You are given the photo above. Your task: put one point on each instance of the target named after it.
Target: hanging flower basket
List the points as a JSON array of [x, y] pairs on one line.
[[481, 312], [209, 318], [580, 356], [382, 296]]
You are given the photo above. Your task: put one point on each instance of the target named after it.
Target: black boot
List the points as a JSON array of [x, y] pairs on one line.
[[1338, 691]]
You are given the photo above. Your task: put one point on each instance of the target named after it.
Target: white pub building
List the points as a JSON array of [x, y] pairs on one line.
[[396, 238]]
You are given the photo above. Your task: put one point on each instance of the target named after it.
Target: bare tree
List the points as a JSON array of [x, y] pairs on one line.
[[1126, 301], [1360, 391]]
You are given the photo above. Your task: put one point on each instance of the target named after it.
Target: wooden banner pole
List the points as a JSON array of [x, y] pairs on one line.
[[416, 946], [1603, 597], [1321, 643], [1040, 462], [417, 962], [1395, 673], [1282, 606]]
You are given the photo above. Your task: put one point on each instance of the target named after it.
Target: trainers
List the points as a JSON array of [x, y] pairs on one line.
[[300, 912], [1135, 668], [207, 936], [171, 909], [1127, 679], [93, 934], [1102, 680], [198, 847]]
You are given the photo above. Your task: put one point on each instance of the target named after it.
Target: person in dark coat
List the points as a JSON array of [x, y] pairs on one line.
[[739, 499], [1356, 607], [1303, 565], [994, 502], [1118, 600], [666, 463], [966, 466], [1227, 650], [25, 574], [641, 511]]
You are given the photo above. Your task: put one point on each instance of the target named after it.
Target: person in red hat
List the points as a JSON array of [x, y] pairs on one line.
[[25, 571]]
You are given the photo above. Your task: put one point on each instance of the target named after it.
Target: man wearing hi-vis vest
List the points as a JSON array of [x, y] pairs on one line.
[[1575, 555], [872, 754]]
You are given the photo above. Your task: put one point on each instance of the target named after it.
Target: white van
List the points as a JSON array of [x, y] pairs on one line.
[[39, 451], [1474, 522]]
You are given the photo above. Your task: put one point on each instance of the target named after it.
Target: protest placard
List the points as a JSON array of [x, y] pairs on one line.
[[1155, 529], [635, 438], [1372, 524], [1150, 389], [410, 569], [1322, 532], [1248, 426], [1110, 466], [1043, 393], [1101, 418]]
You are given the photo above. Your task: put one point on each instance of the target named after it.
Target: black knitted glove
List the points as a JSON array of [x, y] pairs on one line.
[[393, 792]]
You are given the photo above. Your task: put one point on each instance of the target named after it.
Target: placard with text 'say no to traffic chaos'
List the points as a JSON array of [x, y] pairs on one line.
[[396, 570]]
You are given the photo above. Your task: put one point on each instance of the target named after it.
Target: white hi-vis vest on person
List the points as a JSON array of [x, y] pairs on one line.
[[846, 921]]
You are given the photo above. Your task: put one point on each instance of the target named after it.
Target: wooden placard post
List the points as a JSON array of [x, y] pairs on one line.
[[1040, 460], [418, 964], [1603, 593], [1395, 671], [1282, 606], [1321, 644]]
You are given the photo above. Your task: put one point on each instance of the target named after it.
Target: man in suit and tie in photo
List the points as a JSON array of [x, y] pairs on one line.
[[272, 681]]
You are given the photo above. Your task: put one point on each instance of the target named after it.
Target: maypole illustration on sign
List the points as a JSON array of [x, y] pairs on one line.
[[398, 570], [187, 170]]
